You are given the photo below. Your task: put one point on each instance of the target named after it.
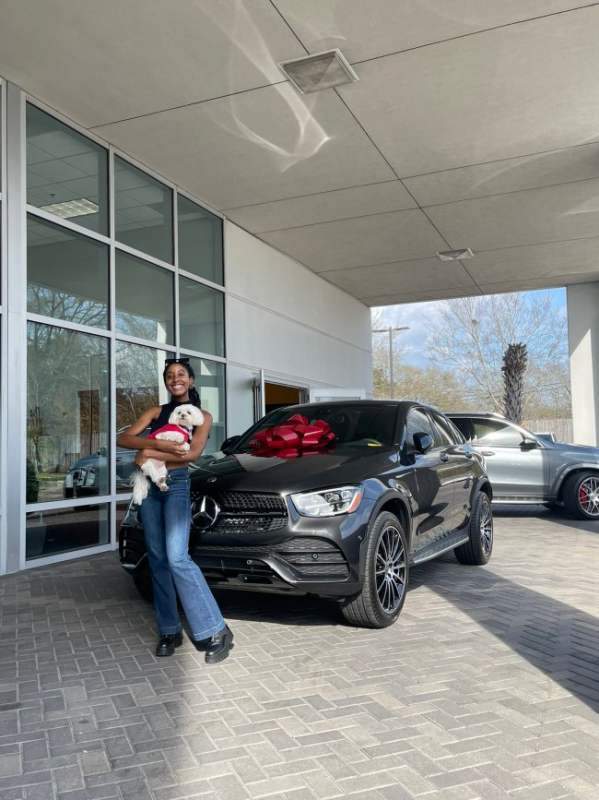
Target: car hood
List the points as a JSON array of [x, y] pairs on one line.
[[580, 451], [334, 467]]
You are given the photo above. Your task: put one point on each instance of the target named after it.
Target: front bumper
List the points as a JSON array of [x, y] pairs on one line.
[[304, 556]]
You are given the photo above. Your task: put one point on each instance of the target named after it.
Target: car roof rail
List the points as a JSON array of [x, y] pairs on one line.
[[495, 414]]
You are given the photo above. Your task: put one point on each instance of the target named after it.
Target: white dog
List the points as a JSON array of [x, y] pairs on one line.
[[180, 425]]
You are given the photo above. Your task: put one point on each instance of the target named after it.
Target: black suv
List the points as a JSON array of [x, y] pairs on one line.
[[333, 499]]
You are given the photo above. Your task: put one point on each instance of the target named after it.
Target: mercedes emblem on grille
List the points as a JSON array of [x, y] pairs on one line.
[[206, 510]]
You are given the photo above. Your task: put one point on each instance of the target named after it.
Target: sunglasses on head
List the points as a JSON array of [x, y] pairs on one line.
[[169, 361]]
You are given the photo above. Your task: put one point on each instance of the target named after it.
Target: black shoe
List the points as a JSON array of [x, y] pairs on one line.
[[201, 644], [167, 643], [219, 645]]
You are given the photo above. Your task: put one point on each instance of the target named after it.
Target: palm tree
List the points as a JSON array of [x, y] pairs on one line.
[[515, 361]]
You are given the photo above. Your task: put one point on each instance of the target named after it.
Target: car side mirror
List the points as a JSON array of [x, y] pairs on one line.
[[528, 444], [229, 443], [423, 442]]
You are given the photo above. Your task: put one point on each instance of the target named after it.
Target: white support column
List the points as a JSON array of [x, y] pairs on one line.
[[16, 308], [583, 335]]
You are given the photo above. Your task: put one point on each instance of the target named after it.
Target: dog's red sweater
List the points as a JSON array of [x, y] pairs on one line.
[[169, 427]]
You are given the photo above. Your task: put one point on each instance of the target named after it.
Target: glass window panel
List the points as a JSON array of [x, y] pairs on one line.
[[121, 509], [210, 383], [202, 317], [143, 211], [139, 386], [144, 300], [67, 173], [67, 414], [200, 241], [496, 434], [64, 529], [67, 274]]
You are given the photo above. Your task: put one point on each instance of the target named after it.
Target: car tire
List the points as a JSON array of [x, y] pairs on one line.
[[479, 547], [383, 593], [575, 488], [143, 582]]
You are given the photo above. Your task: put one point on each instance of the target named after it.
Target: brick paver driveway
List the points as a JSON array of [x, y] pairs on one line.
[[488, 686]]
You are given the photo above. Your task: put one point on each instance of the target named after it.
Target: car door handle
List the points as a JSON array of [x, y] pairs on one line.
[[487, 452]]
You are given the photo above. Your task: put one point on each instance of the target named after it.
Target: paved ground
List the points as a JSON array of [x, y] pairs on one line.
[[488, 687]]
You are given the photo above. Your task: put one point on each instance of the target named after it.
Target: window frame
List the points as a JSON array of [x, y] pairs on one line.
[[112, 498]]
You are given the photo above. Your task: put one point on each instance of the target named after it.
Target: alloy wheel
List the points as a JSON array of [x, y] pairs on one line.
[[390, 569], [588, 496], [486, 528]]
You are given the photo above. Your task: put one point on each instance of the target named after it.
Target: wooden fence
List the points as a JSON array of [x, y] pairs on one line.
[[561, 428]]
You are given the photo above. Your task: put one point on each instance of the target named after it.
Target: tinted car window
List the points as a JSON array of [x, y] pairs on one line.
[[464, 425], [455, 432], [495, 433], [358, 425], [418, 422], [444, 436]]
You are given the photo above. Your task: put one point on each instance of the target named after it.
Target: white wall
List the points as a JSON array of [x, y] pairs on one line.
[[283, 318], [583, 336]]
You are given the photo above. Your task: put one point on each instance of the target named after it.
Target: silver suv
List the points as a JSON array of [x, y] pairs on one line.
[[530, 468]]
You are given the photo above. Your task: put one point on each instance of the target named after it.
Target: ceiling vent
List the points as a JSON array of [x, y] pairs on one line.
[[461, 254], [319, 71]]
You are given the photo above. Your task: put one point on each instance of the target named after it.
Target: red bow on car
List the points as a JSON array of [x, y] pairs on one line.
[[296, 436]]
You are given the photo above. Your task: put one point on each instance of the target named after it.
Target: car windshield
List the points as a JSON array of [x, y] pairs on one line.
[[356, 425]]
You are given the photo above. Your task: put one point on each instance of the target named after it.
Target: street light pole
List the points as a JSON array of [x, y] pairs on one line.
[[390, 331]]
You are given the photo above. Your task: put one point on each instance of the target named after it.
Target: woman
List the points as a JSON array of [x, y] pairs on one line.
[[166, 517]]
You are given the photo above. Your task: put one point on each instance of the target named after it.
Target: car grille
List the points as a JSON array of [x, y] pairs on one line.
[[247, 512], [312, 557], [308, 557]]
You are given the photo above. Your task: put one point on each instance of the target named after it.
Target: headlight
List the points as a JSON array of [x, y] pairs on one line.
[[329, 502]]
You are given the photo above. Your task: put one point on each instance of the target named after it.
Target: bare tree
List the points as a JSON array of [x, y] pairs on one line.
[[470, 336]]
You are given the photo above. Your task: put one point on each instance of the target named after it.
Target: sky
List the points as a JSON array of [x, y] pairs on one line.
[[419, 315]]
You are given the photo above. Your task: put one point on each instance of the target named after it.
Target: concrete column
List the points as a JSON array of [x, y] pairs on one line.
[[583, 334], [15, 395]]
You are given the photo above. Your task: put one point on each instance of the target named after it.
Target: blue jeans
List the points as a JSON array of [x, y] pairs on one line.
[[166, 517]]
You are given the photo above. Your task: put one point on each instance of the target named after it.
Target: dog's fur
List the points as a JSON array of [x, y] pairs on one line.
[[186, 417]]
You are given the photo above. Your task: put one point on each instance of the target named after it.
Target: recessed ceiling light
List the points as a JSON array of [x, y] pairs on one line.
[[319, 71], [72, 208], [455, 255]]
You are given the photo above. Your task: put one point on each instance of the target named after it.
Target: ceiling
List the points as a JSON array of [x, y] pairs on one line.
[[474, 124]]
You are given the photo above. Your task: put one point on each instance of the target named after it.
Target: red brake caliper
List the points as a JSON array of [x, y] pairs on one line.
[[583, 496]]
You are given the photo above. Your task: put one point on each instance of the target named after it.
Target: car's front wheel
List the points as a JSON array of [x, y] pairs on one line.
[[581, 495], [477, 550], [385, 576]]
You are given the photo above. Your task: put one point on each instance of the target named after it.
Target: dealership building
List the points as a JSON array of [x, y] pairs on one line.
[[169, 188]]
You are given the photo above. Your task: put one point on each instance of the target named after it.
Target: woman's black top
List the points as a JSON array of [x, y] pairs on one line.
[[165, 411]]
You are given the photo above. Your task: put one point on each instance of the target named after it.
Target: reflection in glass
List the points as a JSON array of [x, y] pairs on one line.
[[67, 173], [200, 241], [63, 529], [121, 509], [210, 383], [201, 317], [67, 274], [143, 211], [144, 300], [139, 386], [67, 413]]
